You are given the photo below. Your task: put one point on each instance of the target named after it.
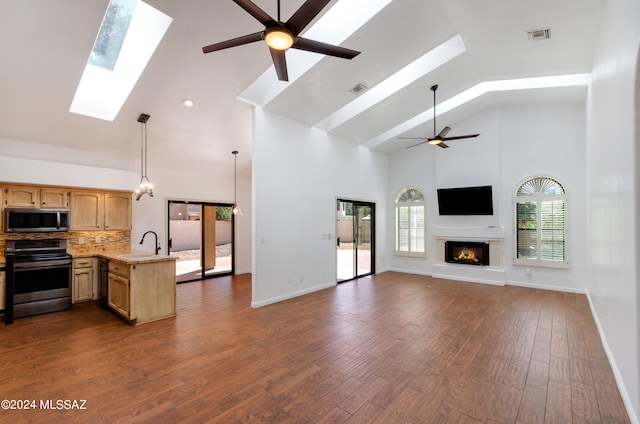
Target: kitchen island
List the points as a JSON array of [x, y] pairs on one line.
[[141, 286]]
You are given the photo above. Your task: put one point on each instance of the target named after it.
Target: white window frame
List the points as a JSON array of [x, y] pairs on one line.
[[537, 198], [410, 204]]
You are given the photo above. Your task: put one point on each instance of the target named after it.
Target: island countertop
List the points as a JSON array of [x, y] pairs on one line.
[[127, 256]]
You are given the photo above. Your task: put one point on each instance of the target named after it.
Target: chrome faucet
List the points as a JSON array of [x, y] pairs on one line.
[[157, 248]]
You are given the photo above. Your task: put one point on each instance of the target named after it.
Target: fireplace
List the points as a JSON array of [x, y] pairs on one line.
[[466, 252]]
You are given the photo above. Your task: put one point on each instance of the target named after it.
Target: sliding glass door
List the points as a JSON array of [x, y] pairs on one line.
[[201, 236], [355, 239]]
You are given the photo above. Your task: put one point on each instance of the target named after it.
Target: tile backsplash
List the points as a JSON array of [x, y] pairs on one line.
[[91, 240]]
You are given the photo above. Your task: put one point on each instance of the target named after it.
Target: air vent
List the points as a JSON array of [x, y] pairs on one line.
[[539, 34], [359, 88]]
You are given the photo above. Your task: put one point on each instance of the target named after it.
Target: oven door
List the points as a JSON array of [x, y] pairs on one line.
[[41, 280]]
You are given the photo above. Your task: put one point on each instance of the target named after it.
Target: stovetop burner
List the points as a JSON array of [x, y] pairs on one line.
[[36, 250], [31, 246]]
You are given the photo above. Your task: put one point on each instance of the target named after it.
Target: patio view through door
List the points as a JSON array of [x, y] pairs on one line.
[[355, 238], [201, 236]]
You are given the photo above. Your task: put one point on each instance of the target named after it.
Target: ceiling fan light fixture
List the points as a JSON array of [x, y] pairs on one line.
[[435, 141], [279, 38]]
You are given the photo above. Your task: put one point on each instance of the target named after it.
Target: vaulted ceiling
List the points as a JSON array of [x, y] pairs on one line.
[[45, 45]]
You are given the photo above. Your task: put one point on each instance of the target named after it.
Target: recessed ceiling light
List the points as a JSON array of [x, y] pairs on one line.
[[188, 102]]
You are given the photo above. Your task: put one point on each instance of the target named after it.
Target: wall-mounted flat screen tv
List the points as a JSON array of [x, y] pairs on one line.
[[465, 201]]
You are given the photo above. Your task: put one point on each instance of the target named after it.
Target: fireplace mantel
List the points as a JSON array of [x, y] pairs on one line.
[[491, 274], [469, 233]]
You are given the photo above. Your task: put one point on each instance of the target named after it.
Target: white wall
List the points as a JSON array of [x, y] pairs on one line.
[[150, 213], [550, 140], [25, 162], [613, 193], [514, 144], [297, 174]]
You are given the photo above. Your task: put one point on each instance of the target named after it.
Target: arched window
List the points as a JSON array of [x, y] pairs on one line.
[[541, 223], [410, 226]]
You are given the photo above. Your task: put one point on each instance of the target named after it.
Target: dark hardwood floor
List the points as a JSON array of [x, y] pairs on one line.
[[384, 349]]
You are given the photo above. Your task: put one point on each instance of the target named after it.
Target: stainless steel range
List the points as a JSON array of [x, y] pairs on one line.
[[38, 277]]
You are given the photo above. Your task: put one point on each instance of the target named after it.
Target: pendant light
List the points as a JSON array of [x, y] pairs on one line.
[[145, 185], [236, 210]]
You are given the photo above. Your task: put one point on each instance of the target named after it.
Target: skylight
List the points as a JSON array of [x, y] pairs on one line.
[[410, 73], [475, 92], [129, 35]]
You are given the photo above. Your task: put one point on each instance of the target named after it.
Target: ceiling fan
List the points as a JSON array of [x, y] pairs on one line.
[[281, 36], [439, 138]]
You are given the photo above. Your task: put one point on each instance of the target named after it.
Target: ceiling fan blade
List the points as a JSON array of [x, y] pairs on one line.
[[413, 138], [280, 63], [444, 146], [442, 133], [324, 48], [245, 39], [460, 137], [417, 144], [305, 14], [256, 12]]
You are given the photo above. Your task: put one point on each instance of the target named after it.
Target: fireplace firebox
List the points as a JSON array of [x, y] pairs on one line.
[[466, 252]]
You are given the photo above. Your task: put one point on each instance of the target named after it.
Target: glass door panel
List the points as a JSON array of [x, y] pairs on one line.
[[201, 237], [218, 241], [363, 240], [345, 241], [355, 239], [184, 239]]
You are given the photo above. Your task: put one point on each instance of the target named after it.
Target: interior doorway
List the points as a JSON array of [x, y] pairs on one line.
[[201, 236], [355, 236]]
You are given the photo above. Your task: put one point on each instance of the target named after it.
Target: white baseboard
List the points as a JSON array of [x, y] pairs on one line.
[[287, 296], [546, 287], [468, 279], [410, 271], [614, 367]]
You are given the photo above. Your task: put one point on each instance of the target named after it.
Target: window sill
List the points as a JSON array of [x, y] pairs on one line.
[[411, 254], [541, 264]]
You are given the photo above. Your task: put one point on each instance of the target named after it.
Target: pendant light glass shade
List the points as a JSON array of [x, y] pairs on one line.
[[145, 187], [235, 210]]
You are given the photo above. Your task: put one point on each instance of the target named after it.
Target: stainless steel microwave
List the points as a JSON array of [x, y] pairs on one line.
[[27, 220]]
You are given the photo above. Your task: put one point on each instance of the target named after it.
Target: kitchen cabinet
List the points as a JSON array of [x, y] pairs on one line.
[[117, 211], [87, 211], [118, 281], [3, 282], [142, 291], [32, 197], [54, 198], [21, 197], [85, 280], [100, 210]]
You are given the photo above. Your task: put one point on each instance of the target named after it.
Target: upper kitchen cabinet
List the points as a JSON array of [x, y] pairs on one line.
[[21, 197], [87, 211], [33, 197], [117, 211], [54, 198], [91, 210]]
